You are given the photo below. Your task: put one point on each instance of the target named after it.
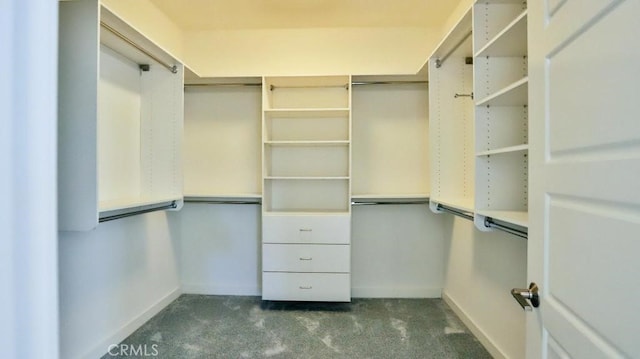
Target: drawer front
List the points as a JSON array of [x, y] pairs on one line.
[[328, 229], [327, 258], [315, 287]]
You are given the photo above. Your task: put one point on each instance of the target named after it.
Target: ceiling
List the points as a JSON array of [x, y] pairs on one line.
[[198, 15]]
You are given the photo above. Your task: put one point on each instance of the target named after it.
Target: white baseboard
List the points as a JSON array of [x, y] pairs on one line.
[[135, 323], [395, 292], [474, 328], [214, 289]]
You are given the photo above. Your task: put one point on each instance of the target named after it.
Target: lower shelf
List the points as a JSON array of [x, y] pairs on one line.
[[462, 204], [310, 287]]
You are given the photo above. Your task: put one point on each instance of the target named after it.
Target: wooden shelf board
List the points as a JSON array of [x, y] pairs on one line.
[[308, 143], [315, 212], [306, 112], [121, 204], [464, 204], [388, 196], [515, 94], [510, 42], [519, 218], [497, 151], [219, 196], [306, 178]]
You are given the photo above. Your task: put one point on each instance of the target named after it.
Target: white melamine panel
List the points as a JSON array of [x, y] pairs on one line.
[[494, 76], [502, 181], [492, 17], [306, 194], [500, 126], [307, 125], [451, 131], [222, 140], [317, 287], [307, 161], [307, 92], [509, 42], [390, 139], [306, 229], [119, 106], [324, 258]]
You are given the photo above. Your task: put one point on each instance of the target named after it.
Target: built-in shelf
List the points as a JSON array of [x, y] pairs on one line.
[[306, 178], [307, 143], [511, 149], [306, 112], [403, 196], [519, 218], [463, 204], [127, 203], [306, 212], [516, 94], [225, 196], [508, 42]]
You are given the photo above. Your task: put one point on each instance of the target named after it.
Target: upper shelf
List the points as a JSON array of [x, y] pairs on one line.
[[307, 143], [512, 41], [511, 149], [306, 112], [519, 218]]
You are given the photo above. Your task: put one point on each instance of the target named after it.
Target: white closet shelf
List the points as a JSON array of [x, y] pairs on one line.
[[510, 42], [519, 218], [306, 178], [308, 143], [464, 204], [511, 149], [390, 196], [515, 94], [307, 212], [120, 204], [224, 196], [306, 112]]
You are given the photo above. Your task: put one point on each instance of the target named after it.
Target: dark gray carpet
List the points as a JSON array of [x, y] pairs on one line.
[[197, 326]]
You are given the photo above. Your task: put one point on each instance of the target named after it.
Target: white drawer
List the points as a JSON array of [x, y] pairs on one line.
[[316, 287], [329, 229], [328, 258]]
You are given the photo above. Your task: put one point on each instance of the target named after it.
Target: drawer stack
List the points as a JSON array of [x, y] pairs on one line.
[[306, 258]]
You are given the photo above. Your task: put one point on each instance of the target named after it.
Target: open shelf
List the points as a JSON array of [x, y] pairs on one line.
[[307, 143], [463, 204], [519, 218], [308, 178], [306, 212], [306, 112], [508, 42], [390, 196], [511, 149], [516, 94], [122, 204]]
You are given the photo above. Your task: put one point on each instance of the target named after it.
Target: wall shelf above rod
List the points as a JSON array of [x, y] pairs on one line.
[[390, 202], [490, 223], [170, 67], [454, 211], [172, 205], [354, 83], [221, 200]]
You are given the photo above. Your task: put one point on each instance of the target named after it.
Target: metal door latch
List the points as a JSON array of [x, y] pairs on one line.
[[522, 295]]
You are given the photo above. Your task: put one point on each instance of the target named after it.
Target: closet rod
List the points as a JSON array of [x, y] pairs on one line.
[[372, 203], [172, 205], [455, 212], [355, 83], [172, 68], [489, 223], [444, 58], [221, 201]]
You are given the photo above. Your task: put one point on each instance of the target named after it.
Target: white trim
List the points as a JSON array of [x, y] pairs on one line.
[[217, 289], [395, 292], [489, 344], [121, 334]]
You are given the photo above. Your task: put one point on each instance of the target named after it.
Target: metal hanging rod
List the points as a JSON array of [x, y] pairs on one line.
[[222, 201], [444, 58], [454, 211], [375, 203], [489, 223], [170, 67], [172, 205], [355, 83]]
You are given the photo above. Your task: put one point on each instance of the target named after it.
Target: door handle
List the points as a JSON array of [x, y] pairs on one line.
[[531, 294]]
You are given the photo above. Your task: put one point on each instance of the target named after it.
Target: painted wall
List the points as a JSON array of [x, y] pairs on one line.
[[481, 269], [311, 51], [113, 279]]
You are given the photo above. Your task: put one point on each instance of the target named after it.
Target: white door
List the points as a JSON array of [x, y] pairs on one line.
[[584, 236]]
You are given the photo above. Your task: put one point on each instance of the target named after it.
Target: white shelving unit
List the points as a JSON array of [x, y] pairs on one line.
[[120, 119], [501, 113], [306, 172], [451, 121]]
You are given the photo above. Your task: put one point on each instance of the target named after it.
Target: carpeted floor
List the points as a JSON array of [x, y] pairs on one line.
[[197, 326]]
